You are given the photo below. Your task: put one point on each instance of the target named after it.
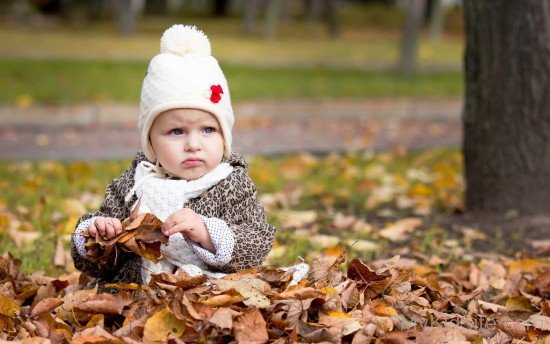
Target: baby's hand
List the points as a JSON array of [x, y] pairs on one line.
[[190, 224], [107, 227]]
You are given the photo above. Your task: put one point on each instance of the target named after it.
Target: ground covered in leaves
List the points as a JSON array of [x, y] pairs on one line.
[[383, 267]]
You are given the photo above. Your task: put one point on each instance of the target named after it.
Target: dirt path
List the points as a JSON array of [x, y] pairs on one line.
[[94, 131]]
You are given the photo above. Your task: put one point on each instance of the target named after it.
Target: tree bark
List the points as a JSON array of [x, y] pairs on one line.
[[436, 20], [333, 18], [252, 9], [221, 8], [507, 110], [409, 37], [126, 17], [272, 17]]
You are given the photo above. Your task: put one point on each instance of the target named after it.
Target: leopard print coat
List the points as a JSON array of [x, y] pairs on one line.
[[233, 200]]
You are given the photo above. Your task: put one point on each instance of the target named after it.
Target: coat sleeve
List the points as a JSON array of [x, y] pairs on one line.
[[253, 236], [112, 206]]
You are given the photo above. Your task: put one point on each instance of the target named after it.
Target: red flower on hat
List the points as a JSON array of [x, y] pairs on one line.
[[216, 91]]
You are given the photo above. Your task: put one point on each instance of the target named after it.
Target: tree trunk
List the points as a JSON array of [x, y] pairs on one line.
[[507, 110], [315, 10], [436, 20], [221, 8], [272, 17], [251, 13], [409, 37], [126, 17], [333, 18]]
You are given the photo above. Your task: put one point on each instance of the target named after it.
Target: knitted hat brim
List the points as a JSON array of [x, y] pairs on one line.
[[157, 110]]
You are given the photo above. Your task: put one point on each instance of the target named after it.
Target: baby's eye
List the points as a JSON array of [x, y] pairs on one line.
[[209, 130], [176, 132]]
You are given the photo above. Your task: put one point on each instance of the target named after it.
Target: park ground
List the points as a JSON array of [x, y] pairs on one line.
[[349, 158]]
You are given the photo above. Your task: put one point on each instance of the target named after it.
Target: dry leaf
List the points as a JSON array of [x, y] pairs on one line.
[[45, 305], [163, 325], [253, 290], [399, 231], [95, 335], [430, 335], [250, 328], [223, 318], [105, 303], [59, 258]]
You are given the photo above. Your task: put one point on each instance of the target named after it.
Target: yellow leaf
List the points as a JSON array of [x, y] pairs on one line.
[[24, 100], [379, 307], [333, 251], [8, 307], [521, 304], [71, 224], [163, 324], [328, 290], [336, 314], [529, 266], [420, 190]]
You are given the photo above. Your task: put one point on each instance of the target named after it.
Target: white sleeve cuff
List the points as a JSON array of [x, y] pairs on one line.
[[222, 239], [78, 240]]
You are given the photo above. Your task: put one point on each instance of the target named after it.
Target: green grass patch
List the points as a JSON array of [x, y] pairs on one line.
[[48, 197], [80, 81]]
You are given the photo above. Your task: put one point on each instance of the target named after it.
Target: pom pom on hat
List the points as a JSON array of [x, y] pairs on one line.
[[184, 39]]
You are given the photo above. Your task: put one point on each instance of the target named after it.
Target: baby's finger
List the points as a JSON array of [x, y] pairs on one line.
[[109, 230], [180, 227], [117, 226], [92, 230], [100, 225]]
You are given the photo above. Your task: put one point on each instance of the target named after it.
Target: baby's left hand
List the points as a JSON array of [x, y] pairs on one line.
[[190, 224]]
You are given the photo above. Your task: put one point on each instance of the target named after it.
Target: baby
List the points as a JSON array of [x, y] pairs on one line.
[[186, 175]]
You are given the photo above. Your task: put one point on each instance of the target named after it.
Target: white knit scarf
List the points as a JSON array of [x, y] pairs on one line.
[[162, 196]]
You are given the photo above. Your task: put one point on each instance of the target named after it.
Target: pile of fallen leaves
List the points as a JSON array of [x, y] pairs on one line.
[[496, 300]]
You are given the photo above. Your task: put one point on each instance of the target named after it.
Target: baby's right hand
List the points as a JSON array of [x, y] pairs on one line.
[[107, 227]]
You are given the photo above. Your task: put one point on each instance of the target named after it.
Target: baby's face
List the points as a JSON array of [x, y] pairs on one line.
[[188, 142]]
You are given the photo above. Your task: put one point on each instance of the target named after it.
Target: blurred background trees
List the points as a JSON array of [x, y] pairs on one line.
[[258, 17]]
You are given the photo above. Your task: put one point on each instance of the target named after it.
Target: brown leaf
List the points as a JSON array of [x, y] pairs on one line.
[[298, 292], [182, 307], [250, 328], [223, 300], [514, 328], [95, 335], [540, 322], [59, 258], [542, 282], [286, 314], [325, 271], [223, 318], [358, 271], [181, 280], [315, 334], [46, 305], [142, 235], [430, 335], [105, 303]]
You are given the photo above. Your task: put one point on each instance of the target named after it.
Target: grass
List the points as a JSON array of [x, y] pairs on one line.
[[73, 81], [48, 197]]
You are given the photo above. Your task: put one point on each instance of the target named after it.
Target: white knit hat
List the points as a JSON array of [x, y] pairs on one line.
[[184, 75]]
